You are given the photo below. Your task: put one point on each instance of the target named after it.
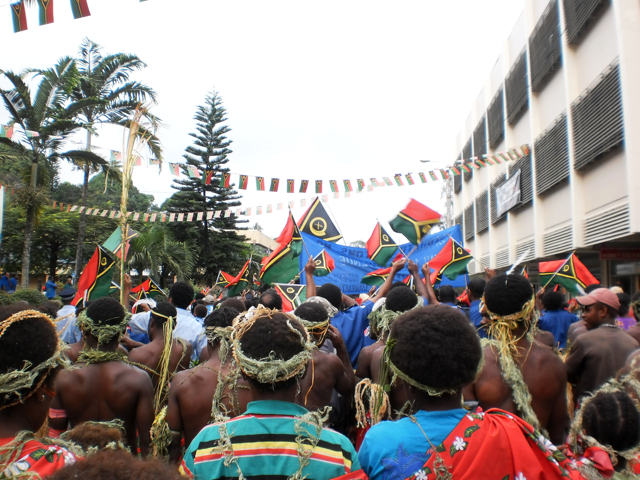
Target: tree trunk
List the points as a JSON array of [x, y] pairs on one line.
[[83, 216], [53, 258], [26, 251]]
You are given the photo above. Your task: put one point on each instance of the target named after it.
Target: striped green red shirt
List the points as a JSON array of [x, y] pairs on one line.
[[264, 444]]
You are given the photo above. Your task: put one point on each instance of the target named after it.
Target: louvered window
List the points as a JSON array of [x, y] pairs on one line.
[[485, 260], [526, 180], [494, 201], [466, 155], [558, 241], [544, 46], [482, 211], [495, 117], [457, 183], [480, 138], [502, 258], [597, 118], [608, 225], [516, 88], [578, 15], [522, 247], [468, 222], [552, 155]]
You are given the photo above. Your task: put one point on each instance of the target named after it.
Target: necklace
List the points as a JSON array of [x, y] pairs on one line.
[[439, 467]]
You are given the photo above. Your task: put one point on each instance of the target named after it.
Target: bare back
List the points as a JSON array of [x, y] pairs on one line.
[[319, 380], [546, 379], [107, 391], [149, 356], [397, 395], [191, 397]]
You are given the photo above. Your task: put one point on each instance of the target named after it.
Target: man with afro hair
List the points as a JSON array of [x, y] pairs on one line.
[[104, 387], [436, 352], [556, 319], [275, 438], [187, 327], [520, 375], [352, 321], [192, 395]]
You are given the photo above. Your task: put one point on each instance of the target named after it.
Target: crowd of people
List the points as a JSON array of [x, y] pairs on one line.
[[411, 383]]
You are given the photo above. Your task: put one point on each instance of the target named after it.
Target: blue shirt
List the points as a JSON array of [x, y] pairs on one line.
[[5, 284], [50, 289], [187, 328], [558, 323], [352, 324], [476, 318], [14, 284], [68, 329], [398, 449]]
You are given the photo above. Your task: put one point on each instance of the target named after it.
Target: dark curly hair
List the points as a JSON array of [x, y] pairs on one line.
[[221, 317], [97, 435], [552, 300], [330, 292], [271, 299], [251, 302], [181, 294], [165, 309], [612, 419], [400, 299], [33, 341], [625, 304], [106, 311], [51, 308], [117, 465], [436, 346], [397, 284], [476, 286], [506, 294], [312, 312], [234, 302], [200, 311], [447, 294], [271, 334], [7, 310], [590, 288]]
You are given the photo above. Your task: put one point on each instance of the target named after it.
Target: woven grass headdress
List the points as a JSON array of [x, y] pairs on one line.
[[17, 385]]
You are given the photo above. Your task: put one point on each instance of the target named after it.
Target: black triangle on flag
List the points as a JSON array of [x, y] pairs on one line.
[[316, 222], [292, 295]]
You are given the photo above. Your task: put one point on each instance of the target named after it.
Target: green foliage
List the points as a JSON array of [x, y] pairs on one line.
[[5, 298], [219, 246], [33, 297]]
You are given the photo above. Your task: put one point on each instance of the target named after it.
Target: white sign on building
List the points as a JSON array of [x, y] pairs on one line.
[[508, 194]]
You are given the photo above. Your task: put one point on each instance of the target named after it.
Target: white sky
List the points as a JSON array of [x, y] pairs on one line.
[[313, 90]]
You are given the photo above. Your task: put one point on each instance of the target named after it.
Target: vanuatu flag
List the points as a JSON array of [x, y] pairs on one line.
[[316, 222], [324, 264], [292, 295], [377, 277], [225, 179], [80, 8], [239, 283], [415, 221], [291, 235], [244, 179], [114, 242], [281, 266], [19, 16], [525, 271], [224, 279], [570, 273], [46, 11], [275, 184], [148, 288], [380, 246], [95, 280], [451, 261]]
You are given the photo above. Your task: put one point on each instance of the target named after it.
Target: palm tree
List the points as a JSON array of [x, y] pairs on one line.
[[107, 78], [39, 103]]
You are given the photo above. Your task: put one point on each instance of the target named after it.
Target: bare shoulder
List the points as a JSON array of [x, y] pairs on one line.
[[139, 354], [547, 360]]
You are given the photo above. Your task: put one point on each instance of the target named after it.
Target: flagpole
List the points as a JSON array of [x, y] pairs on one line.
[[561, 267], [217, 279], [399, 248], [301, 271]]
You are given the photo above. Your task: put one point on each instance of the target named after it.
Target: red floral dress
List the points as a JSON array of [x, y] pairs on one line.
[[36, 457]]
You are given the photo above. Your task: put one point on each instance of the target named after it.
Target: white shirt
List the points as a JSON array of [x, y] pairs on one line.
[[187, 328], [68, 331]]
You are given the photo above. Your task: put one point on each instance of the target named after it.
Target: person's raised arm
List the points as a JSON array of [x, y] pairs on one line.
[[126, 287], [421, 288], [539, 305], [431, 295], [346, 380], [386, 286], [309, 268]]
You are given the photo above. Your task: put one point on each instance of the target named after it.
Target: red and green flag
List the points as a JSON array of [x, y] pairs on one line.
[[292, 295], [80, 9], [465, 167], [208, 175], [409, 179], [303, 186], [290, 184], [175, 169], [324, 264], [19, 16], [240, 282], [45, 8], [315, 221], [445, 174], [398, 178], [422, 176], [281, 266], [291, 235], [377, 277], [361, 184], [225, 179], [242, 183], [318, 186], [95, 280], [387, 181], [347, 186], [334, 186], [525, 271], [408, 281], [380, 246], [260, 184], [223, 279], [451, 261], [148, 288], [275, 184], [114, 242], [415, 221], [432, 174], [6, 131], [455, 171], [570, 273]]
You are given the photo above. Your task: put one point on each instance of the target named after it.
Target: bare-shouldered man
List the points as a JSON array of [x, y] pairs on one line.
[[192, 392], [329, 370], [104, 387], [543, 372], [149, 355]]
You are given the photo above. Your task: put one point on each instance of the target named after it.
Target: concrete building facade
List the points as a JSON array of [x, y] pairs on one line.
[[568, 85]]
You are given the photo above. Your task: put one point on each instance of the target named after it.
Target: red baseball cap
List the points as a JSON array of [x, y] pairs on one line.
[[602, 295]]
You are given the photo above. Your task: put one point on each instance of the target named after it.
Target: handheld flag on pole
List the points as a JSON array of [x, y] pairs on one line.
[[324, 264], [114, 242], [239, 283], [148, 288], [279, 267], [377, 277], [223, 279], [570, 273], [290, 234], [292, 295], [415, 221], [95, 280], [380, 246], [451, 261], [315, 221]]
